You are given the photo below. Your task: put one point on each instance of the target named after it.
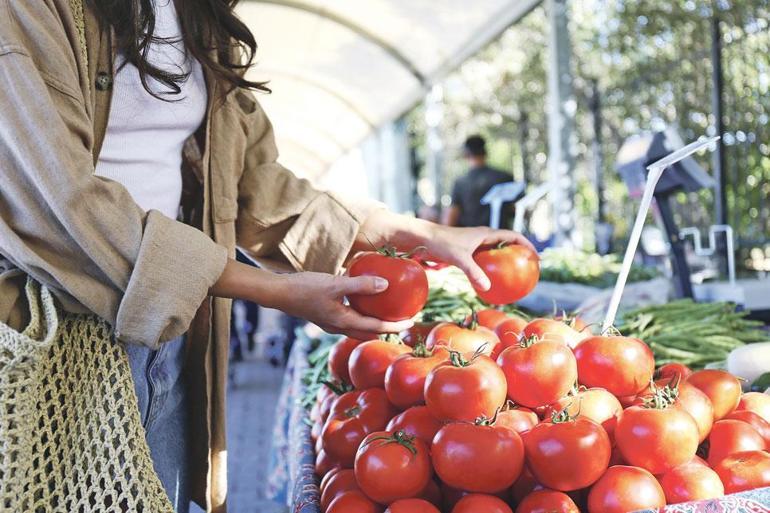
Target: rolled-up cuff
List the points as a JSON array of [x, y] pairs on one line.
[[322, 236], [175, 268]]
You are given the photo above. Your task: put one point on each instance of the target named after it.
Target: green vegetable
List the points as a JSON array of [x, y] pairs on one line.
[[573, 266], [691, 333], [762, 383]]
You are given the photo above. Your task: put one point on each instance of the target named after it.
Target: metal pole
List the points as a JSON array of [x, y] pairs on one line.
[[523, 126], [717, 96], [596, 117], [561, 123], [434, 161]]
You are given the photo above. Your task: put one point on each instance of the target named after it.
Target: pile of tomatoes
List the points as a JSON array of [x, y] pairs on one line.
[[494, 414]]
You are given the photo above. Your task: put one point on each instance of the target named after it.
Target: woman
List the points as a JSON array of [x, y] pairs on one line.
[[100, 102]]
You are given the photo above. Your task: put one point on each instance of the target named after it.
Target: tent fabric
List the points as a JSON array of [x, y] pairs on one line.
[[341, 68]]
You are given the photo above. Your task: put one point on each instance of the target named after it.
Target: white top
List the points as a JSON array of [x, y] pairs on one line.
[[142, 147]]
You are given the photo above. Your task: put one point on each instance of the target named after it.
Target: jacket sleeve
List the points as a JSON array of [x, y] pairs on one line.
[[284, 219], [81, 235]]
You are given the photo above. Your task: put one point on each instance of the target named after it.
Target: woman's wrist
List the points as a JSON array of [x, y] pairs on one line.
[[242, 281], [387, 228]]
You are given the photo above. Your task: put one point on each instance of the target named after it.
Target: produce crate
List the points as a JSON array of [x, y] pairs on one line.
[[292, 480]]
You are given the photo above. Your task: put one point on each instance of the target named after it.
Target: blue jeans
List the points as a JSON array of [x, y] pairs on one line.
[[162, 394]]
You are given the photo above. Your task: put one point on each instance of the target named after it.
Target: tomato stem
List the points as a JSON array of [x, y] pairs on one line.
[[338, 387], [352, 411], [420, 350], [392, 252], [400, 438], [525, 342], [392, 338]]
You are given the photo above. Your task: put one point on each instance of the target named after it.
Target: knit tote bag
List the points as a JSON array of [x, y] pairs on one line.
[[71, 438]]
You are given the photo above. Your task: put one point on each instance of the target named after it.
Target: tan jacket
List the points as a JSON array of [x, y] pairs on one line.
[[86, 239]]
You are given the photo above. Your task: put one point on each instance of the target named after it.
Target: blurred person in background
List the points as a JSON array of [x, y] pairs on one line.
[[466, 208], [134, 158]]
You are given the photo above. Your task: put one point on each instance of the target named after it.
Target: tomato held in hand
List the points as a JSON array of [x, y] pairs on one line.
[[465, 388], [656, 439], [567, 453], [757, 402], [744, 471], [407, 289], [478, 503], [339, 356], [412, 506], [692, 481], [757, 422], [594, 404], [392, 466], [621, 365], [341, 482], [538, 372], [351, 501], [466, 337], [405, 378], [513, 271], [353, 416], [553, 330], [730, 436], [622, 489], [416, 421], [722, 388], [369, 362], [518, 419], [547, 501], [477, 457]]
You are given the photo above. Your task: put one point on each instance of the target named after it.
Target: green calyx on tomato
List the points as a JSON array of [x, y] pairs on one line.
[[562, 416], [420, 350], [471, 322], [526, 342], [352, 412], [457, 359], [391, 252], [661, 398], [338, 387], [400, 438], [392, 338]]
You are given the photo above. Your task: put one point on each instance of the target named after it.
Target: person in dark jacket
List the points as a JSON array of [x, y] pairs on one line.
[[466, 208]]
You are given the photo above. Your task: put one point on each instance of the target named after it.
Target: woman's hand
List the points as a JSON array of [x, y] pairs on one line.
[[446, 244], [316, 297]]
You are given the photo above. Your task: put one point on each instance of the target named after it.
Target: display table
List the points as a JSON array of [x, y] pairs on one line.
[[292, 480]]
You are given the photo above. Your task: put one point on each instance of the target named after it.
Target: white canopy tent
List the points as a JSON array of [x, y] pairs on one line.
[[340, 69]]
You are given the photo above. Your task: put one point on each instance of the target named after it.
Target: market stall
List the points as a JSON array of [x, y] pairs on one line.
[[684, 336]]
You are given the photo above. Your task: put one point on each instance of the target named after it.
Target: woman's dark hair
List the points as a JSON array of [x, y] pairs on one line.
[[212, 34]]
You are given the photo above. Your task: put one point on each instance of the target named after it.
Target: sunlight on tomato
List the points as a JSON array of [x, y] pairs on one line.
[[513, 271]]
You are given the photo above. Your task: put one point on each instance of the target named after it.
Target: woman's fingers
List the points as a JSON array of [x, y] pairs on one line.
[[478, 278], [366, 285]]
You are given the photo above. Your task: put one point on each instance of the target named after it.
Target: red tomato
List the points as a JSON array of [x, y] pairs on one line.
[[418, 333], [573, 321], [405, 378], [688, 398], [580, 441], [324, 463], [315, 431], [465, 338], [341, 482], [465, 389], [407, 289], [370, 360], [672, 370], [518, 419], [692, 481], [547, 501], [351, 501], [339, 356], [432, 492], [622, 489], [557, 331], [477, 457], [538, 373], [508, 332], [744, 471], [353, 416], [329, 475], [478, 503], [513, 271], [757, 402], [594, 404], [416, 421], [730, 436], [412, 506], [490, 318], [392, 466], [622, 365], [721, 387], [656, 439], [757, 422]]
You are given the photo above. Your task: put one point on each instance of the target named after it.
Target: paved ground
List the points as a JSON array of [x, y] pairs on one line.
[[250, 414]]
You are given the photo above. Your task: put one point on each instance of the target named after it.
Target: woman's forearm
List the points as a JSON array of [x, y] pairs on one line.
[[242, 281], [383, 228]]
